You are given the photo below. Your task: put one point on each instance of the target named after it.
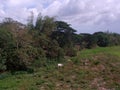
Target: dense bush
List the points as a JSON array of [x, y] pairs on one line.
[[6, 43], [70, 52], [23, 48], [53, 50], [17, 60], [2, 61], [102, 39]]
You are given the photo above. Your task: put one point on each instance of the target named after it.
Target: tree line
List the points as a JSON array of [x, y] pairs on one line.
[[23, 47], [97, 39]]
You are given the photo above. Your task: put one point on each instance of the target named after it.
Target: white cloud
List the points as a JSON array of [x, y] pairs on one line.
[[80, 13], [52, 9]]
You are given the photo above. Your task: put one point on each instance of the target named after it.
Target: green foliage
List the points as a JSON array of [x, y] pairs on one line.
[[6, 39], [16, 60], [2, 61], [54, 51], [27, 53], [48, 25], [63, 34], [6, 43], [70, 52], [47, 41], [22, 59], [2, 65], [88, 41], [39, 22], [45, 25], [114, 39], [102, 39]]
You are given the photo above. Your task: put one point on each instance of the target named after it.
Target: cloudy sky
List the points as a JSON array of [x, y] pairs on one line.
[[86, 16]]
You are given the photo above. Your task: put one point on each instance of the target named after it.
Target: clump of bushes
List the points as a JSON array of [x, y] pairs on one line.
[[26, 48], [70, 52]]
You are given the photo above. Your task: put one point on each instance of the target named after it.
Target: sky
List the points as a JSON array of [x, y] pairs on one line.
[[86, 16]]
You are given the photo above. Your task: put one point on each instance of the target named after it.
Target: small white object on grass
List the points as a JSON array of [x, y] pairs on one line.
[[60, 65]]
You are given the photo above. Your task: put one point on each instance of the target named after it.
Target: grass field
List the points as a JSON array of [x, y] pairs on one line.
[[91, 69]]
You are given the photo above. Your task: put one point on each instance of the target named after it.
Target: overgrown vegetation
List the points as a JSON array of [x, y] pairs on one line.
[[91, 69], [27, 46], [37, 48]]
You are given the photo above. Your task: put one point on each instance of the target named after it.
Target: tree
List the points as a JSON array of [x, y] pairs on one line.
[[39, 22], [6, 39], [63, 34], [45, 25], [7, 20], [114, 39], [87, 40], [30, 24], [102, 39], [48, 25], [7, 43]]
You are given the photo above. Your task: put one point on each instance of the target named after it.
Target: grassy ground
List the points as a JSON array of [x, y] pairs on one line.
[[95, 69]]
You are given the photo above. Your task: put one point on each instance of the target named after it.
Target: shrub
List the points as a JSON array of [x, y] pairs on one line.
[[54, 51], [16, 61], [2, 61], [70, 52]]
